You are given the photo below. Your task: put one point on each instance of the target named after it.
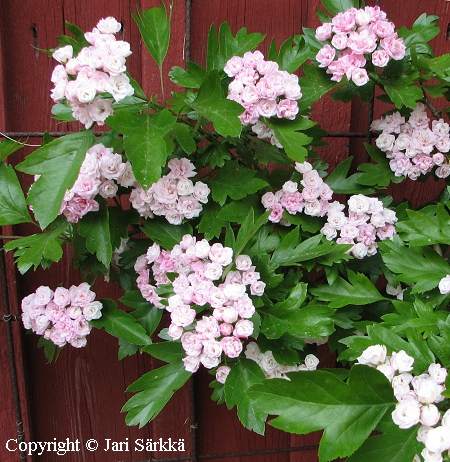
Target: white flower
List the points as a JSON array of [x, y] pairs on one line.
[[402, 362], [444, 285], [406, 413], [373, 355], [438, 439], [311, 362]]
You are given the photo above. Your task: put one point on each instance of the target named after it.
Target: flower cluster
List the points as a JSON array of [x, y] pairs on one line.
[[417, 397], [412, 147], [312, 200], [352, 35], [174, 195], [263, 90], [102, 172], [61, 316], [367, 220], [198, 267], [271, 368], [96, 71]]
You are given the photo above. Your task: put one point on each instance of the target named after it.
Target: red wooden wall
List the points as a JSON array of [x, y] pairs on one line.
[[80, 396]]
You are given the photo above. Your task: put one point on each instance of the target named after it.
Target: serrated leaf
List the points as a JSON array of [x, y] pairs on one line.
[[338, 6], [234, 181], [37, 249], [422, 266], [183, 135], [95, 228], [397, 445], [402, 91], [126, 349], [58, 164], [210, 224], [347, 412], [147, 144], [223, 46], [8, 147], [340, 184], [242, 376], [212, 105], [315, 84], [293, 141], [154, 26], [423, 30], [157, 387], [165, 234], [13, 208], [358, 290], [121, 324]]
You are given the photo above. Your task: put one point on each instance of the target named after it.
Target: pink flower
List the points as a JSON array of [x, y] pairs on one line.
[[344, 22], [394, 46], [287, 109], [222, 373], [360, 77], [324, 31], [232, 346], [325, 56], [380, 58]]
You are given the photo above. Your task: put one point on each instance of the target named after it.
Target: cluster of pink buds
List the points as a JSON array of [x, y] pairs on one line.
[[352, 36], [174, 195], [61, 316], [95, 72], [417, 397], [202, 279], [263, 90], [413, 147], [101, 173]]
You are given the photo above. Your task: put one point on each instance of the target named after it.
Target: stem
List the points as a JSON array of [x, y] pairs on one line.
[[429, 104], [161, 82], [2, 236]]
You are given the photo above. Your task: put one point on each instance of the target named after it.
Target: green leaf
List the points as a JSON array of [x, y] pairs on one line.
[[441, 66], [247, 230], [422, 266], [210, 224], [63, 112], [347, 412], [38, 249], [121, 324], [13, 208], [234, 181], [165, 234], [242, 376], [126, 349], [169, 352], [426, 227], [440, 344], [423, 30], [183, 135], [58, 164], [222, 48], [379, 174], [338, 6], [402, 91], [212, 105], [154, 26], [293, 53], [95, 228], [192, 78], [359, 290], [155, 390], [315, 84], [340, 184], [348, 92], [292, 140], [147, 144], [396, 445], [8, 147]]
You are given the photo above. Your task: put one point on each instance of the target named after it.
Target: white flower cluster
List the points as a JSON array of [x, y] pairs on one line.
[[417, 397], [412, 147], [173, 196], [271, 368], [95, 72]]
